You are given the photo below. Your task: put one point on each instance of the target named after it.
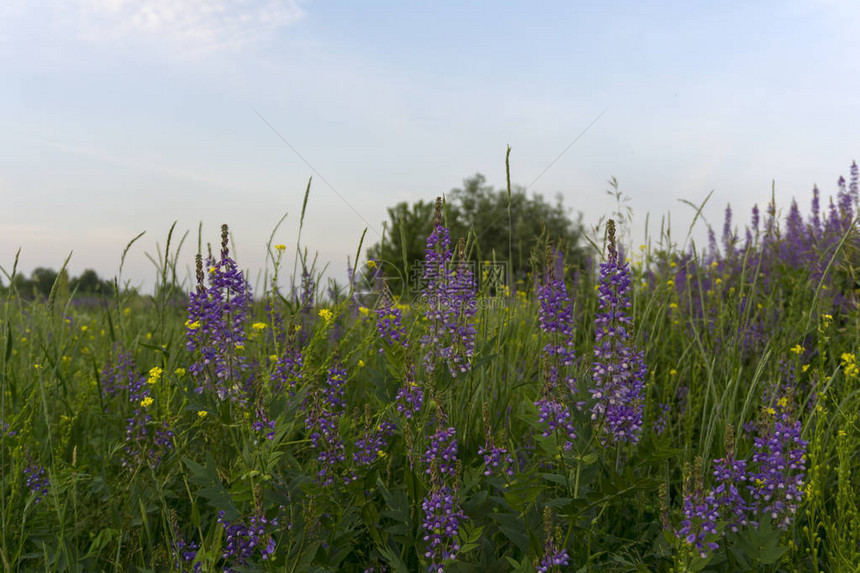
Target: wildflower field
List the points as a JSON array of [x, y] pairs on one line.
[[655, 410]]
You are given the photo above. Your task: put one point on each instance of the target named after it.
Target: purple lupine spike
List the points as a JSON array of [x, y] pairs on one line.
[[410, 397], [449, 294], [244, 541], [729, 238], [371, 446], [389, 320], [442, 516], [215, 330], [815, 215], [618, 370], [36, 481], [443, 451]]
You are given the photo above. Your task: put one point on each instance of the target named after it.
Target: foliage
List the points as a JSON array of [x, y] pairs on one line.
[[479, 212], [714, 429]]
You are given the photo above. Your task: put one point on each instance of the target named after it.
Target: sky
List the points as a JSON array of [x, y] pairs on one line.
[[119, 117]]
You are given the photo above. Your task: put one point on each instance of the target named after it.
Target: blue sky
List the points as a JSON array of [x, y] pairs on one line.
[[118, 117]]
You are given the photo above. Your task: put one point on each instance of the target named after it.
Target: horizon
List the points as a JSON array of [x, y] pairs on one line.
[[121, 118]]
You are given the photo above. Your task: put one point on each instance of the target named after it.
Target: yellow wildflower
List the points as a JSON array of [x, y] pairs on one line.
[[364, 310], [805, 367], [154, 375], [84, 328], [798, 349], [147, 402], [259, 326], [673, 372], [273, 357], [240, 346], [180, 372], [202, 414], [670, 283], [326, 314], [361, 363], [192, 325], [281, 247], [371, 264], [126, 311], [673, 305], [842, 433]]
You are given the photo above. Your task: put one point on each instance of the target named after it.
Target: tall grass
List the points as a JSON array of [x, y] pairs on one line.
[[289, 431]]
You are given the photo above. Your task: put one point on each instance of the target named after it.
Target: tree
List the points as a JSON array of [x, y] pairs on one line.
[[480, 212]]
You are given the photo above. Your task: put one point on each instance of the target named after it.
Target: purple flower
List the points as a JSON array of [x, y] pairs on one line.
[[700, 520], [556, 415], [215, 329], [441, 523], [36, 481], [244, 541], [372, 444], [443, 450], [618, 370], [410, 397], [496, 459], [449, 295]]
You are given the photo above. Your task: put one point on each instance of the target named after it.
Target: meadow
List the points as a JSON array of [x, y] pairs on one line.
[[657, 409]]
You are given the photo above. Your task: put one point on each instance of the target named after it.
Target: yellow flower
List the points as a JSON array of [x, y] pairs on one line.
[[361, 363], [37, 366], [240, 346], [84, 328], [381, 454], [326, 314], [783, 402], [673, 305], [371, 264], [146, 402], [770, 411], [126, 311], [192, 325], [842, 433], [798, 349], [805, 367], [672, 264], [202, 414], [364, 310], [180, 372], [281, 247], [154, 375], [670, 283], [259, 326], [673, 372], [273, 357]]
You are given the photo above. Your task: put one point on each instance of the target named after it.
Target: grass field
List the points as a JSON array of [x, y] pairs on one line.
[[658, 410]]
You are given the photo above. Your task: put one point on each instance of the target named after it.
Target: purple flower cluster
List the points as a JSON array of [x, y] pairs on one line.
[[216, 326], [552, 558], [288, 368], [36, 481], [556, 321], [553, 554], [442, 517], [389, 320], [556, 415], [701, 513], [776, 483], [449, 294], [410, 397], [264, 424], [618, 370], [443, 451], [371, 446], [729, 474], [243, 541], [323, 421], [496, 459], [185, 553]]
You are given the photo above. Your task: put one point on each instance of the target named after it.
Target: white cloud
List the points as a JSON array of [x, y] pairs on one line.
[[181, 27]]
